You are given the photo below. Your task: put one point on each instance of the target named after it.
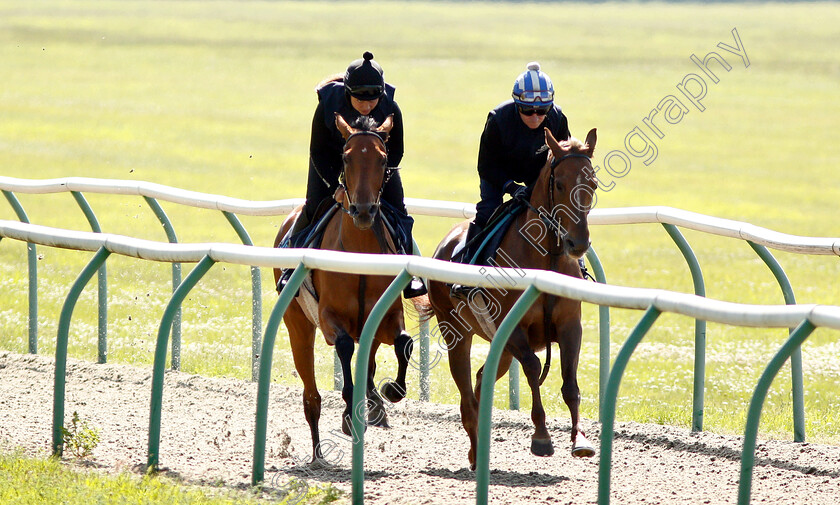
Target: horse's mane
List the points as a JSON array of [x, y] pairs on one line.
[[365, 124]]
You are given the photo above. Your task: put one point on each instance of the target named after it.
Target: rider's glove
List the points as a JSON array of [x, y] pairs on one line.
[[517, 191]]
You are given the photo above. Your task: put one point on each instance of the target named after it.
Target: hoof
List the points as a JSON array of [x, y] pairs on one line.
[[542, 447], [347, 425], [319, 464], [392, 391], [582, 448], [378, 418]]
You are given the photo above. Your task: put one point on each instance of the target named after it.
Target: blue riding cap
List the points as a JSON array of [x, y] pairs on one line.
[[533, 87]]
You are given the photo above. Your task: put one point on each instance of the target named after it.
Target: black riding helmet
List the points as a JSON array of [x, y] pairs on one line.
[[363, 79]]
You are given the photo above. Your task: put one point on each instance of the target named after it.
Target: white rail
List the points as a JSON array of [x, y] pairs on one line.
[[437, 208], [780, 316]]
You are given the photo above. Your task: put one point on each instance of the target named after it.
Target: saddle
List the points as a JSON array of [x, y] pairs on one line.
[[397, 224], [491, 236]]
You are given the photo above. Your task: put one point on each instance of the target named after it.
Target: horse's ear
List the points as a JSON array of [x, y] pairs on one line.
[[345, 129], [552, 143], [591, 138], [385, 127]]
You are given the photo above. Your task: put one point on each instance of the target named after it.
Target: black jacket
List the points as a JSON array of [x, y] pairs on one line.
[[509, 150], [326, 143]]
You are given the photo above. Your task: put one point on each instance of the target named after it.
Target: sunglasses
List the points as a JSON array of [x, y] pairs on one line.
[[530, 110], [365, 92]]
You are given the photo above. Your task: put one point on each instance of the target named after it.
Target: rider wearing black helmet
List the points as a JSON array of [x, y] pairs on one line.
[[361, 91]]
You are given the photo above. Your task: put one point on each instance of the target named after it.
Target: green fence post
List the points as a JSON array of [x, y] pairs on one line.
[[425, 381], [603, 331], [266, 357], [513, 384], [485, 404], [793, 343], [611, 397], [102, 277], [797, 383], [176, 277], [357, 415], [256, 297], [61, 345], [699, 328], [32, 258], [160, 356]]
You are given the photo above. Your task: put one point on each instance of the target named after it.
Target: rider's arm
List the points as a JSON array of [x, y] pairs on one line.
[[395, 139], [320, 149], [491, 165]]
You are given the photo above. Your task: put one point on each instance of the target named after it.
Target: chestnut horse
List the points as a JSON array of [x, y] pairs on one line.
[[559, 206], [344, 301]]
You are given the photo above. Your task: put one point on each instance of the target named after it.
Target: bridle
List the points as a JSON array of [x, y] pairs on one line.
[[557, 250], [342, 177]]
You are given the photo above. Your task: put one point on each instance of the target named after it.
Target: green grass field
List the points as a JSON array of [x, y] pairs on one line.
[[30, 481], [218, 97]]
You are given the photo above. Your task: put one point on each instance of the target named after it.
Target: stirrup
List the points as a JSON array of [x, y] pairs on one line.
[[460, 291], [284, 279], [414, 289]]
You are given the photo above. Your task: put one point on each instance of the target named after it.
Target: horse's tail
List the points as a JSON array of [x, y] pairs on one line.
[[424, 308]]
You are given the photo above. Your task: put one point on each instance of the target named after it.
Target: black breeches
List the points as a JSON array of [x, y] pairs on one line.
[[491, 198]]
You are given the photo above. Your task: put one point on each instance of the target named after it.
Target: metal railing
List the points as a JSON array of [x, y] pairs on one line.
[[758, 238], [653, 301]]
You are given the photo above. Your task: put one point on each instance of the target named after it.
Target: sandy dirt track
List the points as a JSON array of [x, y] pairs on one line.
[[207, 437]]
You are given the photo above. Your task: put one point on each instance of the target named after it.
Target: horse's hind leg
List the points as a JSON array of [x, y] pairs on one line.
[[541, 440], [460, 368], [570, 338], [395, 391], [504, 366]]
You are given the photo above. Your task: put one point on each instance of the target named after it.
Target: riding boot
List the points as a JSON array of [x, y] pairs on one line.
[[416, 287], [300, 223], [470, 248]]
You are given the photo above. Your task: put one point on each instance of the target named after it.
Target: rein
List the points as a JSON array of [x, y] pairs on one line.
[[555, 252]]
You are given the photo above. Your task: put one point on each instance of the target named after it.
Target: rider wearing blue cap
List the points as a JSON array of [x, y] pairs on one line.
[[513, 150]]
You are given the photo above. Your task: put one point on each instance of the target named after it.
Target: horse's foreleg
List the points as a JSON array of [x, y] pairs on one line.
[[541, 440], [302, 338], [396, 391], [570, 339], [376, 414], [344, 348]]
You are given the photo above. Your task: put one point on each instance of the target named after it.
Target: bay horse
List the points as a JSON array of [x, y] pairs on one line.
[[344, 301], [559, 205]]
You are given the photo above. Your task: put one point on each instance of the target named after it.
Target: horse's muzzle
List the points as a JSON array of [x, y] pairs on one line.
[[576, 248], [363, 214]]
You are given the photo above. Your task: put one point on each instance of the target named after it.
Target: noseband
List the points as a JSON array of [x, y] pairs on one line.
[[342, 177]]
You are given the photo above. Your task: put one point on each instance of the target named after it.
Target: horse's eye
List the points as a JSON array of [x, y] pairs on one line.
[[560, 186]]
